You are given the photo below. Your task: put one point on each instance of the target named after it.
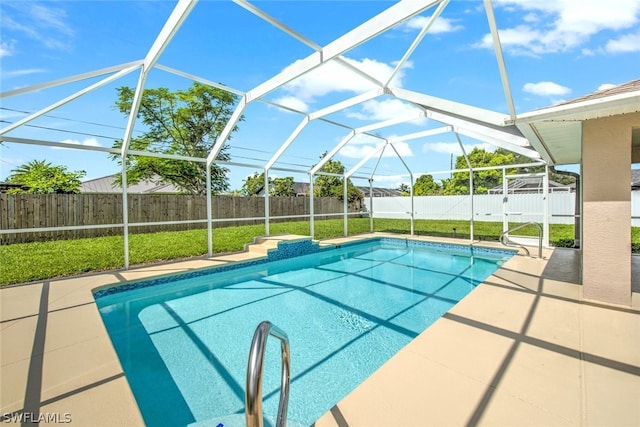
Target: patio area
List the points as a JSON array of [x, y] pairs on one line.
[[524, 348]]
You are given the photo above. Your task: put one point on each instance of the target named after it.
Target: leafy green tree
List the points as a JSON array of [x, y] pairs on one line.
[[332, 186], [182, 122], [41, 177], [282, 187], [561, 177], [426, 186], [404, 189], [253, 184], [482, 180]]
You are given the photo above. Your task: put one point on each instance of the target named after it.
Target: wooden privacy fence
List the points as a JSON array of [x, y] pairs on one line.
[[35, 211]]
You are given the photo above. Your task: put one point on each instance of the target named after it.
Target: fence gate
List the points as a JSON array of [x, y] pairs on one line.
[[536, 209]]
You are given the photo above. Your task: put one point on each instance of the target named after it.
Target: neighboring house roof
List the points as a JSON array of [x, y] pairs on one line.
[[302, 189], [107, 184], [380, 192], [635, 179], [4, 186], [531, 185]]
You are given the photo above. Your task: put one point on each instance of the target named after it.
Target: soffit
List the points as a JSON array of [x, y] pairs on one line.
[[556, 132]]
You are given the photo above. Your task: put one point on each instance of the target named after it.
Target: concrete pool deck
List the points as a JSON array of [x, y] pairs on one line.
[[524, 348]]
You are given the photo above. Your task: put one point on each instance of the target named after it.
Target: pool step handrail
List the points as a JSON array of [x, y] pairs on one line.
[[504, 238], [253, 394]]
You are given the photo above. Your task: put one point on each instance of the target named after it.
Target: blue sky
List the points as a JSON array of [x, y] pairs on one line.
[[555, 50]]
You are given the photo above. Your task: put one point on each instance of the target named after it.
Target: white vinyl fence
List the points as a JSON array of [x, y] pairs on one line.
[[487, 207]]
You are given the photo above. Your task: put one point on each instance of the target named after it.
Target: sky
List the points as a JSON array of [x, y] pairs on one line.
[[554, 50]]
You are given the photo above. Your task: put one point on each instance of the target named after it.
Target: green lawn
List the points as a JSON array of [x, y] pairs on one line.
[[25, 262]]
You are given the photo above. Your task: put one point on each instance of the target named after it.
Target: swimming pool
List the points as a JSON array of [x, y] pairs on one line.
[[183, 340]]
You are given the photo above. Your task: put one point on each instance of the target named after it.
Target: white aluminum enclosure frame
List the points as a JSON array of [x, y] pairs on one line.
[[459, 119]]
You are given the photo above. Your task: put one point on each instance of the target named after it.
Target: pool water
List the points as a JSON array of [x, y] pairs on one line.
[[184, 344]]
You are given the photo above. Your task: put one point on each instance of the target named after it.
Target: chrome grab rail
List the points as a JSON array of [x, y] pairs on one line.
[[515, 245], [253, 395]]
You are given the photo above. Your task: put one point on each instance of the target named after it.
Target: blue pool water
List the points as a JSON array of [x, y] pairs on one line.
[[184, 341]]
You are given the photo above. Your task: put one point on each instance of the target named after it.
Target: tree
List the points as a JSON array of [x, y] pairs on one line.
[[426, 186], [561, 177], [404, 189], [283, 187], [486, 179], [332, 186], [40, 177], [253, 184], [186, 123], [482, 180]]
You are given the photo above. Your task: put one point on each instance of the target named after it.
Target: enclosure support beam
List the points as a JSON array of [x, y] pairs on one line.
[[471, 223], [497, 46], [68, 99], [371, 205], [421, 134], [371, 187], [411, 177], [71, 79], [287, 142], [363, 129], [332, 153], [413, 209], [293, 33], [168, 31], [342, 105], [209, 214], [345, 205], [505, 201], [266, 202], [417, 40], [125, 212], [466, 158], [545, 224], [366, 159], [224, 135], [366, 31], [126, 140], [311, 207]]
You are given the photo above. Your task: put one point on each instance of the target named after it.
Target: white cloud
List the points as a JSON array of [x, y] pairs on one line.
[[48, 25], [561, 25], [384, 110], [292, 102], [7, 48], [516, 40], [624, 44], [334, 77], [442, 25], [605, 86], [25, 72], [362, 145], [91, 142], [453, 147], [546, 89]]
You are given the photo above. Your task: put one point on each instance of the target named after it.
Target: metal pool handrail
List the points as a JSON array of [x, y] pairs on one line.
[[515, 245], [253, 395]]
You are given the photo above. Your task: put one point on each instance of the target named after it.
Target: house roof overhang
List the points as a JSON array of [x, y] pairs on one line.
[[556, 132]]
